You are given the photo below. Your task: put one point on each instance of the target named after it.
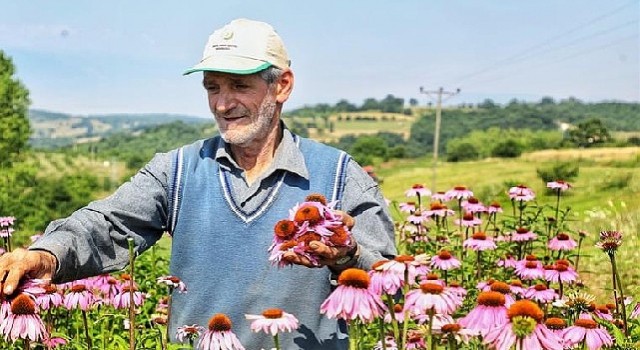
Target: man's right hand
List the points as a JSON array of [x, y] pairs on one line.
[[25, 263]]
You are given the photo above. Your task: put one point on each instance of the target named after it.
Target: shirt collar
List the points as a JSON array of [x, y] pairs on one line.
[[288, 156]]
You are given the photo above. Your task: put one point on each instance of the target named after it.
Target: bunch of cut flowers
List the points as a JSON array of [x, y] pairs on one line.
[[309, 221]]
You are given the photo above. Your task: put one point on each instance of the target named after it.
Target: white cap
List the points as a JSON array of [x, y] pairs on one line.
[[243, 46]]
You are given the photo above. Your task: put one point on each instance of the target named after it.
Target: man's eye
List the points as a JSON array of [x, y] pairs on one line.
[[211, 88], [241, 86]]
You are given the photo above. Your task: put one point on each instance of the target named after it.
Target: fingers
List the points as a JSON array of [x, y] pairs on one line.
[[22, 263], [347, 219]]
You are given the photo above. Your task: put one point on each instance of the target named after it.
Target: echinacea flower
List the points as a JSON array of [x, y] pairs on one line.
[[479, 242], [561, 273], [389, 344], [51, 298], [445, 261], [587, 331], [529, 268], [23, 321], [508, 262], [122, 300], [437, 209], [79, 297], [219, 335], [173, 282], [556, 325], [525, 328], [562, 241], [559, 185], [473, 205], [431, 297], [52, 343], [273, 321], [468, 220], [459, 192], [494, 208], [417, 190], [189, 333], [489, 313], [384, 280], [523, 234], [610, 241], [408, 207], [521, 193], [541, 294], [352, 298]]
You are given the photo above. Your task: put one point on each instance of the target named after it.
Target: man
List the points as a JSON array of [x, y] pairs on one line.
[[220, 199]]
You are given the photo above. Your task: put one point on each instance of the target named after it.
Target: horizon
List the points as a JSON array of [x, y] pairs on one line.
[[120, 58]]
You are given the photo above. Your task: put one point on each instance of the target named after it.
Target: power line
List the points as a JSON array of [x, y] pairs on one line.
[[501, 62]]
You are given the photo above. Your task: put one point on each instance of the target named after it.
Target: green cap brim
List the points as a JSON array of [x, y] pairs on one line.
[[232, 71]]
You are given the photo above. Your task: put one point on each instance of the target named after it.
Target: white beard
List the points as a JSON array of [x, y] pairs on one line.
[[258, 129]]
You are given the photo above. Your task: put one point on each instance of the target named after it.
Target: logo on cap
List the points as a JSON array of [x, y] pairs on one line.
[[227, 35]]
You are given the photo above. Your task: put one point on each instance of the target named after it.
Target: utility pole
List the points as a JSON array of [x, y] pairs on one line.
[[436, 134]]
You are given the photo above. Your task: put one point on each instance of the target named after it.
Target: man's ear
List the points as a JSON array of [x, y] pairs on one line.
[[284, 86]]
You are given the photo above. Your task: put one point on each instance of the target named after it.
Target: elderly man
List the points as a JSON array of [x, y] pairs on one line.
[[220, 199]]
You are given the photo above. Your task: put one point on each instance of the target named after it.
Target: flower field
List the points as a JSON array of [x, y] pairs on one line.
[[472, 273]]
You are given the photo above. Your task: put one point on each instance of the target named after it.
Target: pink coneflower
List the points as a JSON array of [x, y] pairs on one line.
[[529, 268], [398, 313], [440, 196], [468, 220], [523, 234], [609, 241], [23, 322], [489, 313], [437, 209], [173, 282], [559, 185], [521, 193], [417, 190], [122, 300], [457, 289], [459, 192], [431, 297], [562, 241], [189, 333], [403, 265], [352, 298], [516, 287], [561, 273], [445, 261], [418, 217], [479, 242], [588, 331], [408, 207], [389, 344], [273, 321], [603, 312], [51, 298], [473, 205], [79, 298], [508, 262], [52, 343], [219, 335], [5, 226], [556, 325], [384, 280], [494, 208], [415, 340], [541, 294], [635, 313], [505, 289], [524, 330]]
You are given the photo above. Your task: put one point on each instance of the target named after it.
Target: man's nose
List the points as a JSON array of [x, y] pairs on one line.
[[224, 102]]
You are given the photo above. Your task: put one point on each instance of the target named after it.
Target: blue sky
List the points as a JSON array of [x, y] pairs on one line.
[[88, 57]]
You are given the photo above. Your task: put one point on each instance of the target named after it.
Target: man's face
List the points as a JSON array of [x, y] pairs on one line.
[[243, 106]]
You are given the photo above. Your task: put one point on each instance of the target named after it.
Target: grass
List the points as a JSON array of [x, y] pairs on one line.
[[604, 197]]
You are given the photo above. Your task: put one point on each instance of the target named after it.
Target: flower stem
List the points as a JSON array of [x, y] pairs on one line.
[[86, 329], [353, 335], [620, 304], [394, 321], [382, 332], [276, 341], [132, 306], [431, 343]]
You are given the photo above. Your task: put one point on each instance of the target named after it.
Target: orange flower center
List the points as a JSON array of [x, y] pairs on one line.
[[500, 287], [128, 288], [339, 236], [522, 230], [454, 284], [586, 323], [125, 276], [516, 283], [555, 323], [563, 262], [398, 308], [309, 237], [531, 264], [540, 287], [603, 309], [174, 279], [444, 255], [353, 277], [432, 276], [473, 200], [50, 289], [525, 308], [308, 213], [272, 313], [288, 245], [78, 288], [479, 236], [562, 237], [495, 205], [23, 305], [460, 188], [450, 328], [404, 258], [285, 229], [491, 298], [437, 206], [316, 197], [219, 323], [467, 217], [531, 257], [378, 263], [431, 288], [417, 186], [562, 268]]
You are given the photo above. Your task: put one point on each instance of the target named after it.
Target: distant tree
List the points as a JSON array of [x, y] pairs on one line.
[[370, 104], [589, 133], [488, 104], [507, 149], [345, 106], [392, 104], [14, 121], [367, 148], [413, 102], [547, 101], [461, 152]]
